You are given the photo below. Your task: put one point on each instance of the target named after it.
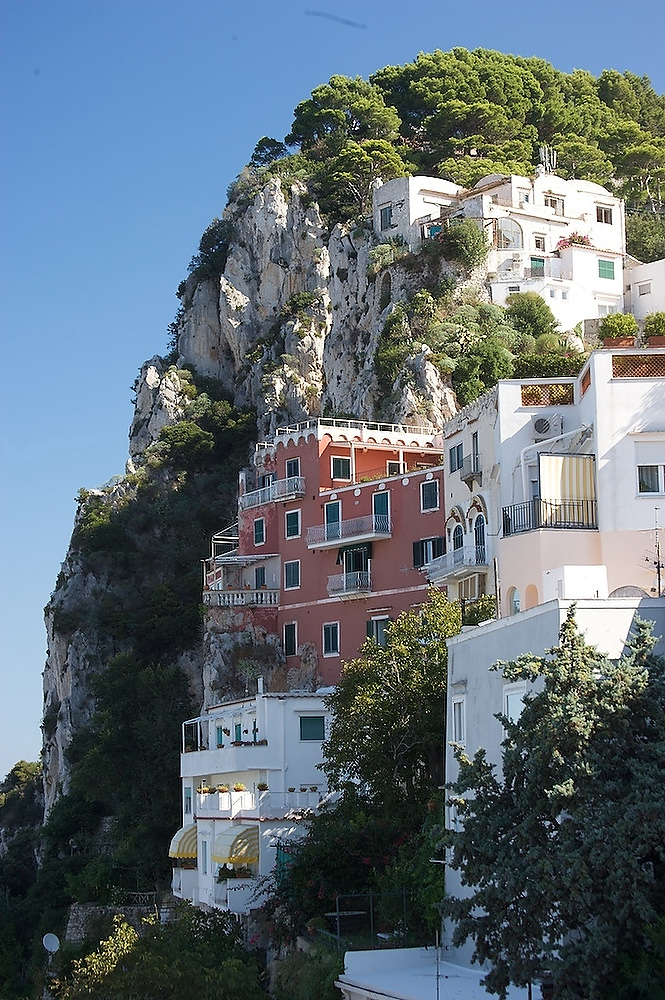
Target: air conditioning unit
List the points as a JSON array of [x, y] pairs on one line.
[[547, 427]]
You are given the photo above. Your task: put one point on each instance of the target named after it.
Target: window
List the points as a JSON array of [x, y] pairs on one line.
[[292, 523], [606, 269], [341, 467], [387, 217], [552, 293], [553, 201], [508, 235], [513, 701], [265, 480], [427, 549], [458, 719], [376, 629], [537, 267], [292, 575], [456, 456], [331, 639], [219, 735], [395, 468], [604, 214], [259, 577], [513, 601], [649, 478], [204, 857], [259, 531], [513, 288], [479, 539], [312, 728], [290, 639], [429, 495], [564, 295], [458, 544], [381, 511], [292, 468], [237, 732], [188, 800], [539, 242], [644, 288], [333, 516]]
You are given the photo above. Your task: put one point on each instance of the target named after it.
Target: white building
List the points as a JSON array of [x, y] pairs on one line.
[[249, 781], [644, 288], [476, 693], [563, 239], [560, 480]]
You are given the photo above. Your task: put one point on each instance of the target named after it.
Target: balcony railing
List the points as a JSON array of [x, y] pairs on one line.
[[349, 583], [358, 528], [457, 559], [279, 489], [471, 469], [537, 513], [263, 598]]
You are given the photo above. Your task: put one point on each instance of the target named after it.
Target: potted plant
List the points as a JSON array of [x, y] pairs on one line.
[[239, 787], [262, 786], [222, 788], [654, 329], [291, 788], [618, 330]]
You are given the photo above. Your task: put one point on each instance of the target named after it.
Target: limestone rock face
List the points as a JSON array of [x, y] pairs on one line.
[[159, 402]]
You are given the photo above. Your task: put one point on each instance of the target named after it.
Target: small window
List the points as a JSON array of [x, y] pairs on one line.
[[456, 456], [564, 295], [341, 467], [429, 495], [376, 629], [387, 217], [290, 639], [312, 728], [648, 478], [395, 468], [604, 214], [259, 577], [552, 293], [513, 288], [259, 531], [292, 468], [237, 732], [427, 549], [292, 575], [513, 701], [644, 288], [539, 242], [537, 267], [513, 601], [606, 269], [331, 639], [204, 857], [508, 235], [554, 202], [219, 735], [459, 735], [188, 800], [292, 523]]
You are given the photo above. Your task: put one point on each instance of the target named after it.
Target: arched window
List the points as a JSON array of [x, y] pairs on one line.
[[513, 601], [458, 543], [479, 539], [508, 235], [531, 596]]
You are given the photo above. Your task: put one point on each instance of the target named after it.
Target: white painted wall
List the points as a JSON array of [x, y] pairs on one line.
[[650, 278]]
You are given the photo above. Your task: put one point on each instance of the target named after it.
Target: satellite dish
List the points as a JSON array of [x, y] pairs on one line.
[[51, 942]]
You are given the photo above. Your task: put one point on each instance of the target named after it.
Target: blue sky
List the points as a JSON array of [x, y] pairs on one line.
[[122, 123]]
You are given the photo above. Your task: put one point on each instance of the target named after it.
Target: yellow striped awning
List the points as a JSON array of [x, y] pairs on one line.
[[183, 844], [567, 477], [238, 845]]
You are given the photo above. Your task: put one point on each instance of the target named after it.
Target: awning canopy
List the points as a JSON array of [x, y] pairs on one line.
[[183, 844], [238, 845]]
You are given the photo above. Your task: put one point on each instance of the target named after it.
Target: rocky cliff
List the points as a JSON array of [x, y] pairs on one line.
[[290, 327]]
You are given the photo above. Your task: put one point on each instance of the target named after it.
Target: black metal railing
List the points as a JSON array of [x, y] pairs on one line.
[[537, 513]]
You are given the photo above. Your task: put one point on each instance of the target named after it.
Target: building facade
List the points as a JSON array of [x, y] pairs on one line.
[[250, 778], [336, 521]]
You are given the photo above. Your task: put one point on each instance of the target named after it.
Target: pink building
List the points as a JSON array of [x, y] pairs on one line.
[[335, 523]]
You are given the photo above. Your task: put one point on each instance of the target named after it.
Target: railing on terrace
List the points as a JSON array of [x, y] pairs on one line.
[[349, 583], [370, 525], [279, 489], [537, 513], [364, 921], [475, 556], [263, 598], [363, 425], [257, 803]]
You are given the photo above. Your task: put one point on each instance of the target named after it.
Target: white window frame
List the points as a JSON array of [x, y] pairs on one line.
[[333, 628], [644, 288], [292, 462], [604, 264], [378, 625], [312, 716], [287, 565], [510, 691], [555, 202], [257, 584], [188, 799], [294, 626], [458, 719], [204, 856], [340, 458], [604, 215], [660, 475], [287, 515], [429, 508], [539, 241], [386, 217], [262, 522]]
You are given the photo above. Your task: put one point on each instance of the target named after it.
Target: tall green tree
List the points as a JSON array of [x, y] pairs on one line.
[[564, 850]]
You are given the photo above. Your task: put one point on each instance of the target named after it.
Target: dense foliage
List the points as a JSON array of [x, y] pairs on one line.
[[564, 851]]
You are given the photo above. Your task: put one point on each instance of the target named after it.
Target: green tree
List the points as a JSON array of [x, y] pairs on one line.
[[530, 314], [389, 708], [340, 110], [645, 236], [464, 242], [266, 151], [562, 850], [352, 174]]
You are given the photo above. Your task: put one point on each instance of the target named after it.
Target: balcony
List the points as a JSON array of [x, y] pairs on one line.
[[349, 584], [358, 529], [291, 488], [254, 805], [455, 564], [471, 470], [263, 598], [536, 514]]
